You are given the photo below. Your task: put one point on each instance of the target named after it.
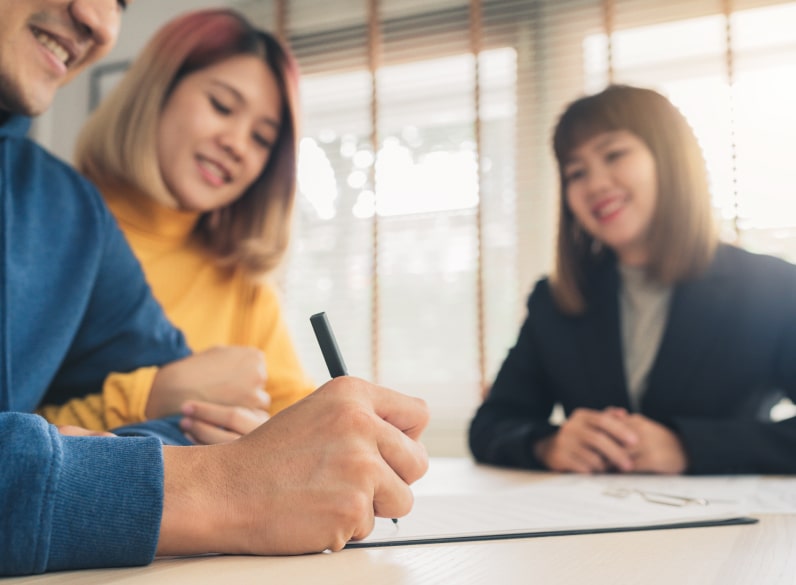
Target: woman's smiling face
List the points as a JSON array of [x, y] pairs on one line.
[[216, 132], [611, 186]]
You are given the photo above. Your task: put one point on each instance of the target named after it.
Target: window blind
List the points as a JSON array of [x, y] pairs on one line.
[[428, 193]]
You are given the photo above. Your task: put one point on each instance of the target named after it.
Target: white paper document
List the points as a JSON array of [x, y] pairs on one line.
[[754, 493], [557, 506]]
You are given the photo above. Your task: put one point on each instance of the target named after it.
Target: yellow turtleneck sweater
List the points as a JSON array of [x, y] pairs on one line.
[[209, 304]]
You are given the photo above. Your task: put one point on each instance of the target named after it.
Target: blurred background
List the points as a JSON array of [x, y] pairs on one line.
[[427, 190]]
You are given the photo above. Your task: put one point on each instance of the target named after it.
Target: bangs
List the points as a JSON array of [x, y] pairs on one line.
[[583, 120]]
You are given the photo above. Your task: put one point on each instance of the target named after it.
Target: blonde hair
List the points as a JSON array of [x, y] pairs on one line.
[[683, 236], [117, 146]]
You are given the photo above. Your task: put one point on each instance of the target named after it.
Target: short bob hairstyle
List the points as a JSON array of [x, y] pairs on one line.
[[117, 147], [683, 236]]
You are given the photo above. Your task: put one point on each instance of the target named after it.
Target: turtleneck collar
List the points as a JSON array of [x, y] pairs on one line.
[[137, 211]]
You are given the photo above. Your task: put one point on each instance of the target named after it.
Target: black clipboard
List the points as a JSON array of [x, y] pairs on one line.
[[546, 533]]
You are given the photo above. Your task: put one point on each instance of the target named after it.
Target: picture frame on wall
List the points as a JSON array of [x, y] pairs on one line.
[[104, 78]]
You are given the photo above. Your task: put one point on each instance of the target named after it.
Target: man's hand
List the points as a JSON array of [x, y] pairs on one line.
[[589, 441], [230, 375], [310, 479]]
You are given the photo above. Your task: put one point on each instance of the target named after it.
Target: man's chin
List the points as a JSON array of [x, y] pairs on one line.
[[38, 106], [26, 105]]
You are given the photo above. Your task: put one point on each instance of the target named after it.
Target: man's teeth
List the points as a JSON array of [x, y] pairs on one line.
[[56, 49]]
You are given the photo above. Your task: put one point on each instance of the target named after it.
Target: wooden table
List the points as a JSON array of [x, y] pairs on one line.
[[763, 553]]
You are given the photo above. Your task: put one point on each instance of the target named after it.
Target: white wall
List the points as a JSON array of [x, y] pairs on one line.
[[58, 129]]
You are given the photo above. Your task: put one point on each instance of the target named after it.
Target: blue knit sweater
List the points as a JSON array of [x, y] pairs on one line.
[[74, 306]]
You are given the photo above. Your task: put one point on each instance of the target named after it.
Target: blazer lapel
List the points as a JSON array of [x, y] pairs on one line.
[[698, 310], [600, 347]]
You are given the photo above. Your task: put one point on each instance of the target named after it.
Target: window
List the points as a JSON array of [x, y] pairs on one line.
[[425, 198], [746, 129], [387, 231]]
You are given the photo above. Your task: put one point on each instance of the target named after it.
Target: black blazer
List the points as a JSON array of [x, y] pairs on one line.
[[728, 352]]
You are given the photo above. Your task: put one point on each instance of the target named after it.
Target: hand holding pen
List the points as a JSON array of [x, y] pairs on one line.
[[310, 479], [330, 350]]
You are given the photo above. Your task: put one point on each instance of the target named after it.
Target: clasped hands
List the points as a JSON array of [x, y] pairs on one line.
[[220, 392], [612, 440]]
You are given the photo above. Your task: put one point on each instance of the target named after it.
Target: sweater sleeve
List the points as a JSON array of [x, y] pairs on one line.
[[515, 414], [76, 502], [123, 329], [122, 402], [287, 382]]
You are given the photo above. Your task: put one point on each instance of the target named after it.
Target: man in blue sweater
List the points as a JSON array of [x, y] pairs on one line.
[[74, 307]]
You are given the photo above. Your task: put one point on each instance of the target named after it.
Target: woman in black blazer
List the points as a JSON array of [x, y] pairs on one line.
[[665, 348]]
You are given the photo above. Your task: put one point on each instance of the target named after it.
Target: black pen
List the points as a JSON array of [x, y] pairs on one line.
[[330, 350], [331, 353]]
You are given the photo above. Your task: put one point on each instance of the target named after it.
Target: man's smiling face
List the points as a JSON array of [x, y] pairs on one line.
[[46, 43]]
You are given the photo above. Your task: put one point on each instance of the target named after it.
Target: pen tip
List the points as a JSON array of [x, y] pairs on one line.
[[395, 521]]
